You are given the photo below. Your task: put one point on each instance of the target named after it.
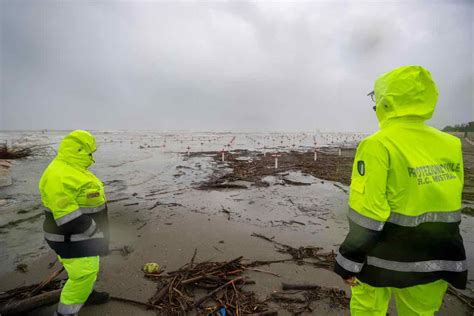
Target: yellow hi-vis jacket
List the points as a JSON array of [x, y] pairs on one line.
[[76, 221], [405, 194]]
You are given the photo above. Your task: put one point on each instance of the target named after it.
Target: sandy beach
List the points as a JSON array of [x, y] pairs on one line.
[[171, 193]]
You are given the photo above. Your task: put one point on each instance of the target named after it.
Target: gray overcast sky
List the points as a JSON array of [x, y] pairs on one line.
[[225, 65]]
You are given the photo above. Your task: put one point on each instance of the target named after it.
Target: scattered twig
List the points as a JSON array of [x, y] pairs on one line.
[[263, 271]]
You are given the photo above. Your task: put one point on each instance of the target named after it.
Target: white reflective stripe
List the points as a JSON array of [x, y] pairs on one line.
[[349, 265], [89, 231], [92, 210], [85, 210], [364, 221], [413, 221], [405, 220], [68, 217], [74, 237], [69, 308], [53, 237], [75, 214], [82, 237], [420, 266]]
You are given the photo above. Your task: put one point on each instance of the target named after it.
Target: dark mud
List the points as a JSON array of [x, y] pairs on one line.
[[253, 166]]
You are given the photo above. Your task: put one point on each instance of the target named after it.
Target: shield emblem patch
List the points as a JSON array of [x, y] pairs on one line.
[[361, 167]]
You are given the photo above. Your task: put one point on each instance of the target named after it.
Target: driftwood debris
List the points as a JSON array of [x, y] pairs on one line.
[[297, 298], [321, 259], [203, 287], [210, 294], [30, 303], [15, 152], [46, 282], [21, 149], [468, 301], [25, 298], [223, 282], [328, 167], [172, 204]]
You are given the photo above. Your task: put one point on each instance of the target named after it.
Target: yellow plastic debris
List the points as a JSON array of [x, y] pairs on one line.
[[151, 267]]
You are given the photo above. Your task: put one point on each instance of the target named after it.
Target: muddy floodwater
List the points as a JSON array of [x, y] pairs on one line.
[[171, 193]]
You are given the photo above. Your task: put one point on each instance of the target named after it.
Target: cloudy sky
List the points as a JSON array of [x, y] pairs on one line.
[[224, 65]]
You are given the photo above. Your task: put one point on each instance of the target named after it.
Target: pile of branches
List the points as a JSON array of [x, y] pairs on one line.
[[19, 152], [221, 281]]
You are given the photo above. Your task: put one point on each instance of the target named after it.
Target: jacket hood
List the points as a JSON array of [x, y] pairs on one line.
[[77, 148], [407, 91]]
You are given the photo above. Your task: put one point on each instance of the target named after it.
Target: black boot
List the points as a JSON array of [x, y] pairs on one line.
[[97, 298]]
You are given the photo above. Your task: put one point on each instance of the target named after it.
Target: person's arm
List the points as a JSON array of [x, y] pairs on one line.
[[84, 224], [69, 216], [461, 167], [368, 207]]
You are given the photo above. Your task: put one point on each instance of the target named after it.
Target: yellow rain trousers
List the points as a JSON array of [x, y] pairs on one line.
[[82, 273], [419, 300]]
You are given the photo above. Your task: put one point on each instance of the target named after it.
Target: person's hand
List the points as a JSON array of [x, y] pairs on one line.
[[352, 281]]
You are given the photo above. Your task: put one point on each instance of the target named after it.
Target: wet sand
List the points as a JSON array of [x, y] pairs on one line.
[[157, 210]]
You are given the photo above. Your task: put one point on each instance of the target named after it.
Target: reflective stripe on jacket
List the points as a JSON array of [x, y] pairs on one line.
[[405, 195], [76, 220]]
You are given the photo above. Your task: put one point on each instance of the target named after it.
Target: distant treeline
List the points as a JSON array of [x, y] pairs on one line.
[[465, 127]]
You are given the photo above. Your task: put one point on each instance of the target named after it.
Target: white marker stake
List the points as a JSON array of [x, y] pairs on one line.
[[340, 152], [276, 160], [223, 156], [315, 155]]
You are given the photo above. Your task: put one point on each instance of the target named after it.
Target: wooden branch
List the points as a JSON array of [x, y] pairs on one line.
[[159, 296], [263, 271], [206, 297], [31, 303], [46, 282], [463, 298]]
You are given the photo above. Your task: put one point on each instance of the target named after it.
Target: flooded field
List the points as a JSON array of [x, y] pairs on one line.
[[172, 193]]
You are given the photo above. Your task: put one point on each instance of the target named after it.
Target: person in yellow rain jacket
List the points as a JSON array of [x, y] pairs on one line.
[[76, 222], [404, 204]]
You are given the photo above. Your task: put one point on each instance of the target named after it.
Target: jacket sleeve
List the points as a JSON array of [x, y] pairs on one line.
[[68, 214], [83, 224], [368, 206]]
